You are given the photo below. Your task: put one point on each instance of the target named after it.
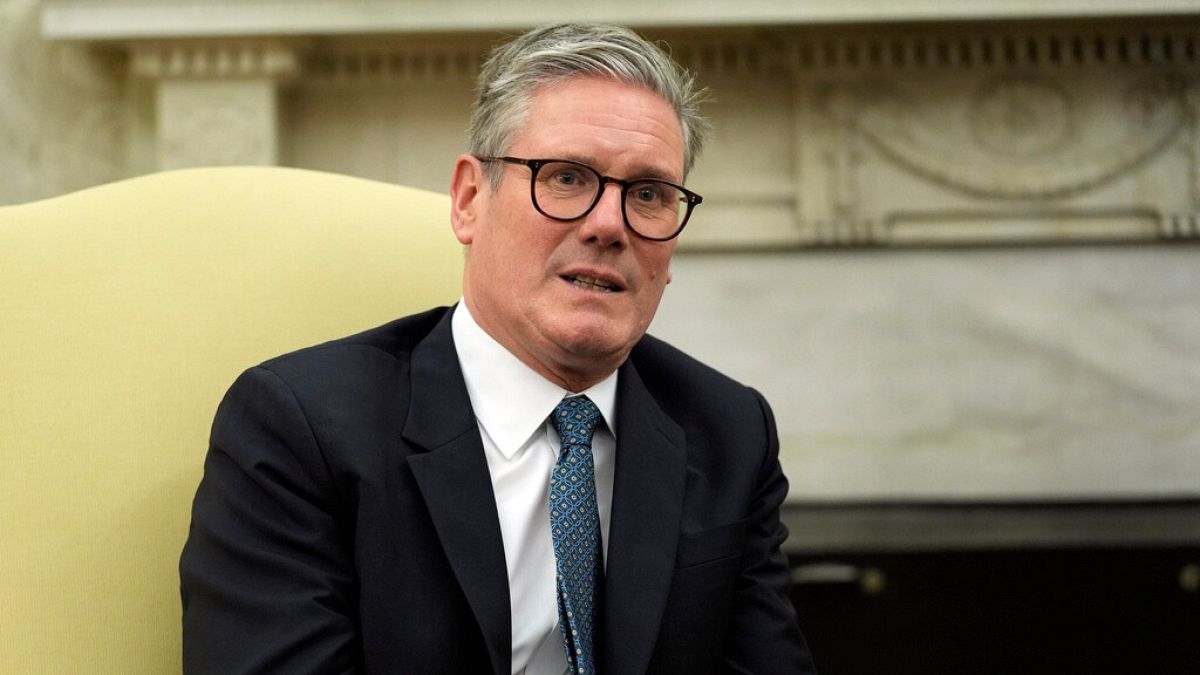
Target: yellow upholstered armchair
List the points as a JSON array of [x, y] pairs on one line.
[[125, 312]]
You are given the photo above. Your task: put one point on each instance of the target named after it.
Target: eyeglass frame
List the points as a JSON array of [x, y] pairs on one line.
[[691, 198]]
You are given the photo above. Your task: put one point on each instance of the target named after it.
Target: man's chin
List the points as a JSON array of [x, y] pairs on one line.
[[593, 347], [588, 348]]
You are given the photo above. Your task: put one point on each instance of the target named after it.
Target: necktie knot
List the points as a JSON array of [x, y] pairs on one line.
[[575, 420]]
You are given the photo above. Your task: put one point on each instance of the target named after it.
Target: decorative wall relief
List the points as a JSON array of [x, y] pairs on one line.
[[1007, 151], [1021, 116], [1026, 140]]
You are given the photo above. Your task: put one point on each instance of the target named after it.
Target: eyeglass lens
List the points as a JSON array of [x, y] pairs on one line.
[[566, 190]]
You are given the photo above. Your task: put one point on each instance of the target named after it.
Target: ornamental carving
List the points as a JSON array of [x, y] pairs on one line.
[[1023, 116], [1025, 131], [220, 59]]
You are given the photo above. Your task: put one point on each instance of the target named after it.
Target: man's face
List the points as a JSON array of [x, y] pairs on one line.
[[522, 267]]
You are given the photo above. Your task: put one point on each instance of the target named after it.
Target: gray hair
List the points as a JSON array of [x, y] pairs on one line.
[[514, 71]]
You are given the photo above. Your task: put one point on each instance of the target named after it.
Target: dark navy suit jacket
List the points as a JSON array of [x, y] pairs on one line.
[[346, 522]]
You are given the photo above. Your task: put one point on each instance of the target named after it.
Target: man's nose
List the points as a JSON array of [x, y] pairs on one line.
[[605, 224]]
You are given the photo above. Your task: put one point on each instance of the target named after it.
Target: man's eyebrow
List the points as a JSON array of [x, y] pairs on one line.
[[639, 172], [653, 172]]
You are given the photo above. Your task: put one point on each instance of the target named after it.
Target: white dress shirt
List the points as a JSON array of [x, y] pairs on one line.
[[512, 405]]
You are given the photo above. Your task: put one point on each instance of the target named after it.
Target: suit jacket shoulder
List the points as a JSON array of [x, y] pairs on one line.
[[396, 340], [314, 534], [715, 411]]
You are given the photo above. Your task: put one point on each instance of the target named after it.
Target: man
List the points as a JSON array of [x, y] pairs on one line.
[[524, 483]]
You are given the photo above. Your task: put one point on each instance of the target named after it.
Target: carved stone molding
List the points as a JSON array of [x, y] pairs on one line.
[[998, 47], [1000, 137], [221, 59], [365, 64], [1025, 141]]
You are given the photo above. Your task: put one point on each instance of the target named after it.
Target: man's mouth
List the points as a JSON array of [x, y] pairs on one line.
[[591, 283]]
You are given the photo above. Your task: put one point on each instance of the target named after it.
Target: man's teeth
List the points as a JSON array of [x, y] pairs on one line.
[[591, 283]]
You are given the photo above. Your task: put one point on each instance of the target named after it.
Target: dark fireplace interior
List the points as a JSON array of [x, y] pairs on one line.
[[999, 588]]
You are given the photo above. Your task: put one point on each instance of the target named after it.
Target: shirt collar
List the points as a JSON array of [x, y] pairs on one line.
[[510, 400]]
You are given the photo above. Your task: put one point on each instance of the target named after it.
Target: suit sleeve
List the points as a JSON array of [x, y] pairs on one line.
[[266, 576], [763, 634]]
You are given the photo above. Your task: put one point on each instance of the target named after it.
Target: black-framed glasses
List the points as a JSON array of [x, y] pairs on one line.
[[565, 190]]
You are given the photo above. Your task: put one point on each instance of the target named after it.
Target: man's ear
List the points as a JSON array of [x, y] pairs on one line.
[[468, 189]]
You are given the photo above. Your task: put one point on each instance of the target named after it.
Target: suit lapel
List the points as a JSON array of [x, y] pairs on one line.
[[651, 470], [454, 480]]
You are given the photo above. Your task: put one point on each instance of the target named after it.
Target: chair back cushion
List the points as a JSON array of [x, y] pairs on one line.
[[126, 310]]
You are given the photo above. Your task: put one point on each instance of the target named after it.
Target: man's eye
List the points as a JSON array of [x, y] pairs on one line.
[[567, 177], [647, 194]]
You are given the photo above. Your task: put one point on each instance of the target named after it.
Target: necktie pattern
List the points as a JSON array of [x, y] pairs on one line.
[[575, 529]]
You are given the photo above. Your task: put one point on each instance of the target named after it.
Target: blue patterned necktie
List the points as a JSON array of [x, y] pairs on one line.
[[575, 528]]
